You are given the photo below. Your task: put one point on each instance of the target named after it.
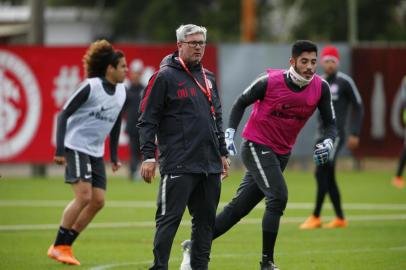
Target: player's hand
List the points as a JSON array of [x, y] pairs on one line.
[[115, 166], [229, 138], [148, 170], [60, 160], [322, 152], [353, 142], [226, 167]]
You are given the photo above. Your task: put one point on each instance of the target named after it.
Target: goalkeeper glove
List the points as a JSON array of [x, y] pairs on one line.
[[229, 138], [322, 152]]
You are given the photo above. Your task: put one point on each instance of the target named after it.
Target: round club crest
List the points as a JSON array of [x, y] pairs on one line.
[[20, 105]]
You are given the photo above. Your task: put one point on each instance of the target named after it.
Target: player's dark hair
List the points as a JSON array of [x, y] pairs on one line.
[[98, 57], [301, 46]]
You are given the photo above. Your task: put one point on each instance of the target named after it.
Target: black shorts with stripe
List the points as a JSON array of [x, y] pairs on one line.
[[81, 166]]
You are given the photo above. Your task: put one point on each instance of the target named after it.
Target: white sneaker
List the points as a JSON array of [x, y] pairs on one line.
[[186, 248]]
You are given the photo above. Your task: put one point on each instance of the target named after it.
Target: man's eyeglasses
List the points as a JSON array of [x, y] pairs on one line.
[[193, 44]]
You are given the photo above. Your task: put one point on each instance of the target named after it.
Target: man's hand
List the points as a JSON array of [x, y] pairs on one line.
[[322, 152], [115, 166], [353, 142], [229, 138], [148, 170], [60, 160], [226, 166]]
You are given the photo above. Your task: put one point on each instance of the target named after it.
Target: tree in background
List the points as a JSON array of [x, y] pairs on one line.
[[379, 20], [277, 20], [156, 20]]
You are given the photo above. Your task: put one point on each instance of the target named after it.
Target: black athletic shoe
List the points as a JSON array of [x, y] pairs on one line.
[[268, 266]]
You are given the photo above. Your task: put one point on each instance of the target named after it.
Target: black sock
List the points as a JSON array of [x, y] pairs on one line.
[[401, 164], [71, 237], [61, 236], [268, 244], [322, 178]]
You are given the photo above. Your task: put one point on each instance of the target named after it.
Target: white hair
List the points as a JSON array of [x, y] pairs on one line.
[[189, 29]]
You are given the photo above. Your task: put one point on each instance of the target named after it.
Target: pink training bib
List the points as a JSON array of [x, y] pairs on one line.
[[278, 118]]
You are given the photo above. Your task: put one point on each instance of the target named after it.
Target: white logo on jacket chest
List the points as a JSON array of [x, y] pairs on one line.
[[209, 84], [334, 91]]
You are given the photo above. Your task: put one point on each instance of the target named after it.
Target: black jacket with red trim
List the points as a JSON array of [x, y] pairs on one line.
[[177, 112]]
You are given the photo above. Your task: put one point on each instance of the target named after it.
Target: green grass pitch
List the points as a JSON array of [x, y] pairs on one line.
[[121, 236]]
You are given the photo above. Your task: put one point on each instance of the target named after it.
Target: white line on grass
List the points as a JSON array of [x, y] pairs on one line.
[[234, 255], [151, 224], [152, 204]]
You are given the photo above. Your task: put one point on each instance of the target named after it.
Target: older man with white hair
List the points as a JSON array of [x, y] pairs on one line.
[[181, 107]]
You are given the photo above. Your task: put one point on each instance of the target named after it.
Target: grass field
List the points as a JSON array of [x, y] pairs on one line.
[[121, 235]]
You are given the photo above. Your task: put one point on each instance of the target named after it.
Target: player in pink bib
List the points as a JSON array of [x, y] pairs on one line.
[[283, 101]]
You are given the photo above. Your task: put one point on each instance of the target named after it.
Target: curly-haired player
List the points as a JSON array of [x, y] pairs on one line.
[[90, 114]]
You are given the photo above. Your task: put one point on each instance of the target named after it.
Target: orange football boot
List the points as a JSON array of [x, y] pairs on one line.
[[336, 223], [311, 222], [398, 182], [63, 254]]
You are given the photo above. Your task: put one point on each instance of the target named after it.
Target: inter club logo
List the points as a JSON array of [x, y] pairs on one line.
[[20, 105]]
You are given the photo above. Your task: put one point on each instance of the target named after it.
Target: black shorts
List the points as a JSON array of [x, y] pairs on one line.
[[81, 166]]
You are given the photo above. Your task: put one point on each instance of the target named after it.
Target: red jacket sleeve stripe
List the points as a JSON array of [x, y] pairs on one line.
[[148, 91]]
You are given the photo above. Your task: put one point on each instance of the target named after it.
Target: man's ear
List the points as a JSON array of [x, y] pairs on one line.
[[178, 44], [292, 61], [110, 69]]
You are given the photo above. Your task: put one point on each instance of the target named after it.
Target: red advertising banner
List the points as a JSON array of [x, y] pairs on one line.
[[378, 73], [35, 82]]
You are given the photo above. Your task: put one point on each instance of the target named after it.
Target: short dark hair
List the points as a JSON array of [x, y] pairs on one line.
[[98, 57], [301, 46]]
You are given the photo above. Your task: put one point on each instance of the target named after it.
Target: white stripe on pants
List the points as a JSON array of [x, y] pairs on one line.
[[261, 170], [163, 195], [77, 164]]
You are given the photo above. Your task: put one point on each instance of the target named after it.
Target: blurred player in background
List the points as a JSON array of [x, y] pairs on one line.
[[90, 114], [181, 107], [132, 108], [283, 101], [344, 95], [398, 180]]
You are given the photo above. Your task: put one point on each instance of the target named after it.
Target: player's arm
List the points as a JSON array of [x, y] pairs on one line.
[[403, 95], [72, 105], [152, 105], [255, 91], [357, 106], [325, 106], [357, 114], [219, 121], [127, 100], [114, 139], [326, 109], [220, 133]]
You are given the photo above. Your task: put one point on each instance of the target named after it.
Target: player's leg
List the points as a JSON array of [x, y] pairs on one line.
[[96, 203], [321, 175], [89, 212], [78, 175], [398, 180], [248, 195], [174, 193], [137, 157], [134, 156], [202, 206], [333, 189], [83, 194], [266, 168]]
